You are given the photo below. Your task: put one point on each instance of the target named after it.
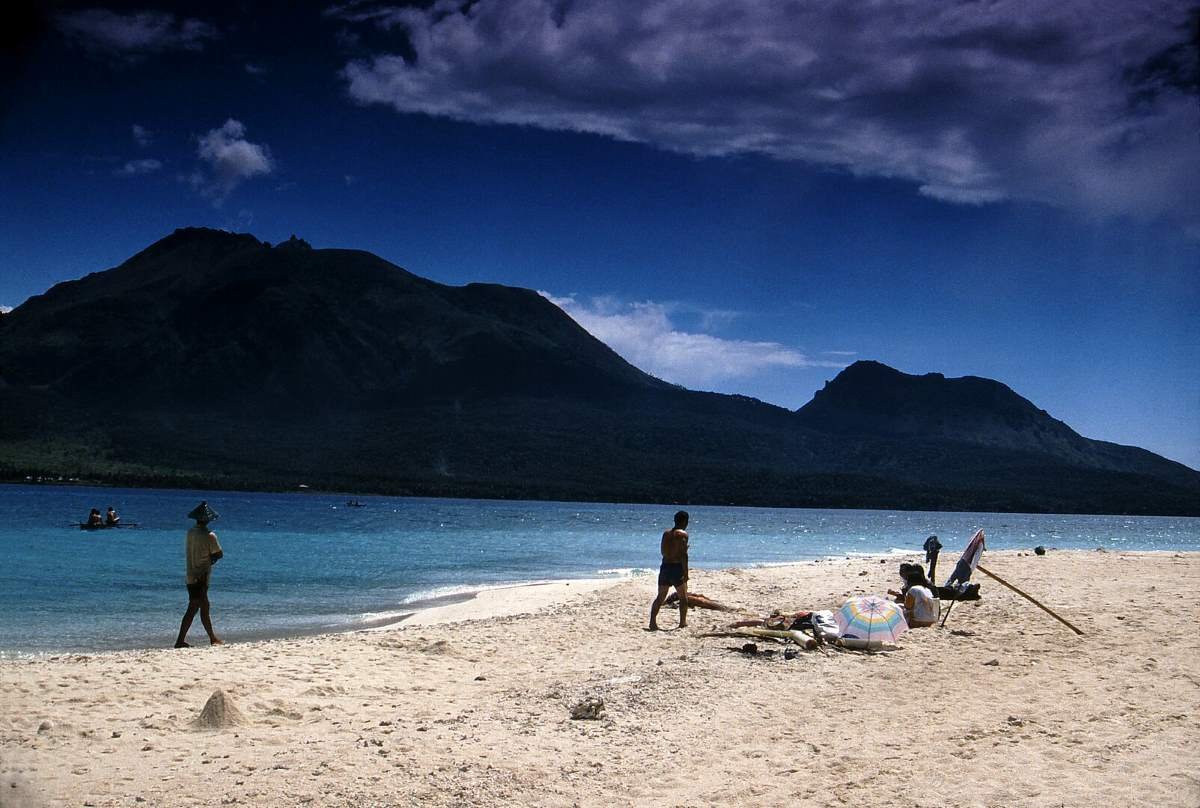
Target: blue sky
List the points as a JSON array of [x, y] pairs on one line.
[[741, 198]]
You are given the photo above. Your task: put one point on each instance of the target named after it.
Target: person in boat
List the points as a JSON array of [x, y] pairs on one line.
[[94, 519], [201, 551], [111, 519], [921, 606], [674, 570]]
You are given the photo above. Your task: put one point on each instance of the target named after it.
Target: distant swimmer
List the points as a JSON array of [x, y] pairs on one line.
[[674, 570], [201, 551], [111, 519]]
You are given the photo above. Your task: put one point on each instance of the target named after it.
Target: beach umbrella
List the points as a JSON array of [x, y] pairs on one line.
[[969, 561], [871, 618]]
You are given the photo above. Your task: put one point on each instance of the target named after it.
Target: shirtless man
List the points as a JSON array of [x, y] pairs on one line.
[[674, 570]]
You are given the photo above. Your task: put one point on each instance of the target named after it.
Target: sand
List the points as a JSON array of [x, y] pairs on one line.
[[1003, 707]]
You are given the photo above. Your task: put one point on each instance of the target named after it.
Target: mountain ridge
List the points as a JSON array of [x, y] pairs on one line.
[[249, 365]]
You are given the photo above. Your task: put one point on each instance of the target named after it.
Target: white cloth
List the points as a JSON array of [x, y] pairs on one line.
[[924, 606]]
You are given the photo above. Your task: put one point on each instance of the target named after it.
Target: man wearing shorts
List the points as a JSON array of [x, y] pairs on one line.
[[201, 551], [674, 570]]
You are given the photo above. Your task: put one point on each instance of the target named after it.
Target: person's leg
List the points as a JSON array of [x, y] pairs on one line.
[[658, 602], [192, 607], [213, 639], [681, 588]]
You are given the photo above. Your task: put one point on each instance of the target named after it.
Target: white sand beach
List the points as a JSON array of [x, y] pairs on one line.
[[469, 704]]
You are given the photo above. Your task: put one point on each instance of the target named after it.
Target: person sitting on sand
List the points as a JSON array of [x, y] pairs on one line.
[[94, 519], [674, 570], [906, 575], [201, 551], [921, 607], [111, 518]]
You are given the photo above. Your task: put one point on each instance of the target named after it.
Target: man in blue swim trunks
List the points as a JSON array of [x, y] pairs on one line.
[[674, 570]]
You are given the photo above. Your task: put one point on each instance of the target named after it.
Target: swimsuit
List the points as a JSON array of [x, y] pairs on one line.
[[671, 574]]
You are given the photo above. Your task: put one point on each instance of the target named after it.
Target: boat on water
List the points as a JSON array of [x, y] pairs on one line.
[[102, 526]]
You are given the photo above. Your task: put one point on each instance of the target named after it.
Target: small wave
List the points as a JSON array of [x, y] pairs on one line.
[[891, 551], [625, 572], [381, 617]]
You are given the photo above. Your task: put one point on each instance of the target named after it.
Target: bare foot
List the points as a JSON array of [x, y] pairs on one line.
[[216, 641], [182, 645], [653, 627]]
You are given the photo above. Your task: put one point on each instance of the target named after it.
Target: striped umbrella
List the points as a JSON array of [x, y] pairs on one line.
[[871, 618]]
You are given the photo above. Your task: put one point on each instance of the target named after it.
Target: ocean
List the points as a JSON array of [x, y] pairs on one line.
[[306, 562]]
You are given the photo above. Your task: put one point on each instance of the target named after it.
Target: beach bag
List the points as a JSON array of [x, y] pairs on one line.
[[824, 626]]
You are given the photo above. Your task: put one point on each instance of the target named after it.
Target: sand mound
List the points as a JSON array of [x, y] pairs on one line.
[[440, 648], [219, 712]]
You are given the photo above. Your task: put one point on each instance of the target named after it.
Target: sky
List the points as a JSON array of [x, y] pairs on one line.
[[736, 196]]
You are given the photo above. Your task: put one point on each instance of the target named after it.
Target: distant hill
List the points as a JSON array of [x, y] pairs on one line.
[[213, 359]]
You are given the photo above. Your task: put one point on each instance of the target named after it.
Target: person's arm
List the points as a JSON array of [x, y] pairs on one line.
[[664, 544], [215, 552]]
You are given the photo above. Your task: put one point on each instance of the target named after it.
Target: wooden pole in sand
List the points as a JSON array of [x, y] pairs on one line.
[[1029, 598]]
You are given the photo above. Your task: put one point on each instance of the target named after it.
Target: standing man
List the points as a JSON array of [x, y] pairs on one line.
[[674, 570], [201, 551]]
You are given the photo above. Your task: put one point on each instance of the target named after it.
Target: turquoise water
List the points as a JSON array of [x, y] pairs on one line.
[[299, 563]]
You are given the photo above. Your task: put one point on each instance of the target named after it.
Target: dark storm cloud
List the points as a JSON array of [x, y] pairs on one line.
[[1075, 103]]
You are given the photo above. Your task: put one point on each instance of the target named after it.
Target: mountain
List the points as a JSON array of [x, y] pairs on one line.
[[292, 327], [870, 399], [213, 359]]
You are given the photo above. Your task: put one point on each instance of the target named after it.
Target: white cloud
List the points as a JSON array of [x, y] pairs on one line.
[[5, 309], [142, 136], [231, 160], [134, 34], [255, 70], [134, 168], [1088, 105], [645, 336]]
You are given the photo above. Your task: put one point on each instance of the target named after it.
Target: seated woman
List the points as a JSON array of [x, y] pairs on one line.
[[906, 572], [921, 606]]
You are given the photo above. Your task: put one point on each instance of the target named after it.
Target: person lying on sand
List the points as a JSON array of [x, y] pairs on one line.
[[783, 621], [698, 601], [674, 570]]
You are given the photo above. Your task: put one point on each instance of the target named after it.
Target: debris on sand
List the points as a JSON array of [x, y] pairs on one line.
[[219, 712], [590, 709]]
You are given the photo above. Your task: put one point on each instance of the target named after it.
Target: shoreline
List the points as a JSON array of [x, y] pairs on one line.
[[477, 712], [504, 600]]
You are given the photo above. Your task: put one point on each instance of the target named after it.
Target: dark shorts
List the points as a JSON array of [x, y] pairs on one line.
[[198, 590], [671, 574]]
